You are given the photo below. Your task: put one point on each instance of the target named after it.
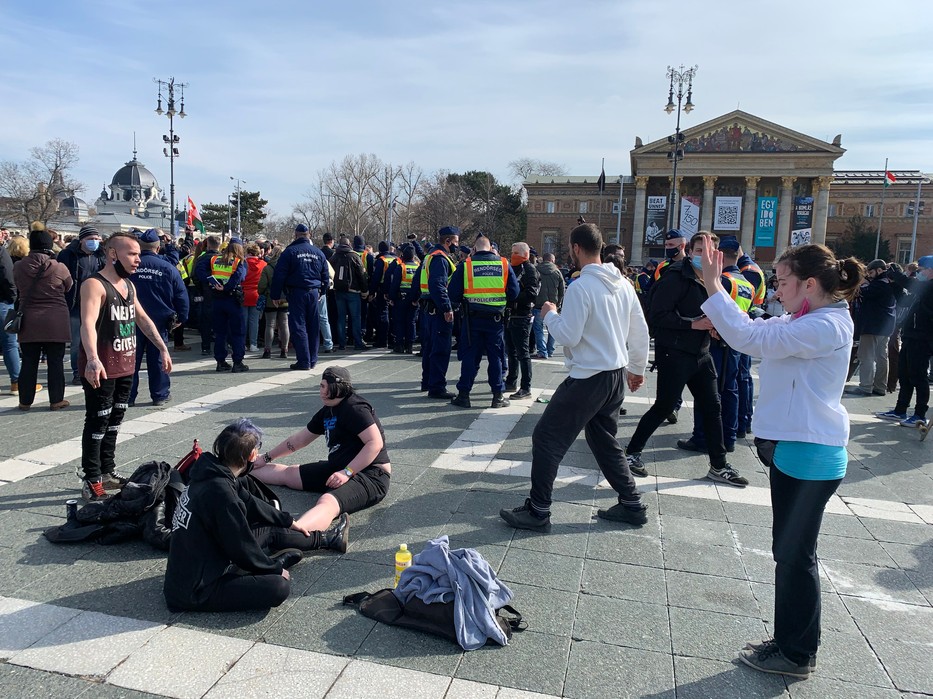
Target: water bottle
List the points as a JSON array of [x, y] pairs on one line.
[[402, 561]]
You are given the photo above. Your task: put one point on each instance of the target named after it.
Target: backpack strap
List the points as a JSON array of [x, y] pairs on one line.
[[512, 617], [355, 599]]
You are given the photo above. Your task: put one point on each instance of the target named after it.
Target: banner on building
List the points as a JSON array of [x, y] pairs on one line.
[[728, 216], [689, 216], [801, 232], [766, 222], [656, 224]]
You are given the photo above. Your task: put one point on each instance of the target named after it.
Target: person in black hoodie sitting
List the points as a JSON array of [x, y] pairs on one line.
[[229, 550]]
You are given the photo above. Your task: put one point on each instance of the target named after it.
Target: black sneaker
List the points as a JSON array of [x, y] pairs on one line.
[[336, 536], [267, 354], [625, 513], [441, 395], [636, 466], [113, 481], [690, 445], [498, 401], [522, 518], [299, 367], [758, 647], [672, 418], [239, 368], [741, 434], [727, 475], [511, 386], [462, 400], [93, 491], [520, 394], [224, 366], [770, 659], [161, 401]]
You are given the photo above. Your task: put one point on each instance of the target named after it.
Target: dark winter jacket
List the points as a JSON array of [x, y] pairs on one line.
[[345, 257], [45, 312], [552, 285], [674, 303], [7, 285], [160, 289], [529, 285], [918, 323], [211, 529], [82, 266], [301, 267], [877, 306]]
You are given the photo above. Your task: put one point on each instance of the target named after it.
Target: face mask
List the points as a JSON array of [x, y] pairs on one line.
[[671, 253], [121, 271], [518, 259], [697, 263], [804, 308], [92, 245]]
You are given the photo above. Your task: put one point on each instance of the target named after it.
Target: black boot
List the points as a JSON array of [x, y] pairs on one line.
[[239, 368], [287, 557], [498, 401], [336, 536], [462, 400], [223, 366]]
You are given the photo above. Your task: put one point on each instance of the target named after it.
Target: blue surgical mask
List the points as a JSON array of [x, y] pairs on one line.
[[92, 245], [697, 263]]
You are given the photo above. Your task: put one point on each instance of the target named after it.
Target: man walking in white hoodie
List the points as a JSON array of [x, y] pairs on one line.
[[600, 316]]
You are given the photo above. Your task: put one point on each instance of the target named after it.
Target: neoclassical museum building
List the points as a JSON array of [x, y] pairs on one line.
[[740, 175]]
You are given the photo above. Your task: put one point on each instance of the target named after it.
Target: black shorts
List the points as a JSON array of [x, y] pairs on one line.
[[364, 489]]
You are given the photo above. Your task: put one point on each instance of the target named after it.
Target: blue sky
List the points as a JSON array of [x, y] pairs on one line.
[[278, 90]]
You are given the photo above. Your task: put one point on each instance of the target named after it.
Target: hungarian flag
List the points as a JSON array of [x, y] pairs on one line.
[[601, 182], [889, 178], [194, 216]]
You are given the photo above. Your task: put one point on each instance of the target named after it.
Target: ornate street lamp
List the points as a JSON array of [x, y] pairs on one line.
[[168, 88], [679, 77]]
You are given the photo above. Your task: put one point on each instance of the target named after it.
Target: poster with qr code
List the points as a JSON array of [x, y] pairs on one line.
[[728, 216]]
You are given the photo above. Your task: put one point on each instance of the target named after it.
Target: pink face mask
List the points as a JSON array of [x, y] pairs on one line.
[[804, 309]]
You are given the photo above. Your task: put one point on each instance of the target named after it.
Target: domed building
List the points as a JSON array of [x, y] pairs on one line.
[[134, 201]]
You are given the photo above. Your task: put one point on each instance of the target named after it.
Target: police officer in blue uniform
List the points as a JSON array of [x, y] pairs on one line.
[[162, 293], [402, 276], [379, 293], [484, 283], [222, 275], [302, 274], [437, 330]]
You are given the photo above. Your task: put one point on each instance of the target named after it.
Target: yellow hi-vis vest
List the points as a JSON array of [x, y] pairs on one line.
[[760, 290], [484, 281], [426, 266], [742, 290], [186, 267], [222, 272], [408, 273]]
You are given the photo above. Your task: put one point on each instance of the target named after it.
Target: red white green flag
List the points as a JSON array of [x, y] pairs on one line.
[[889, 178], [194, 216]]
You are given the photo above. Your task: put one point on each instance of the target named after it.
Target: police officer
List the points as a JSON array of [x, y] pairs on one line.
[[204, 296], [378, 295], [401, 275], [485, 283], [674, 251], [222, 274], [437, 328], [303, 275], [725, 359], [643, 281], [756, 277], [162, 293]]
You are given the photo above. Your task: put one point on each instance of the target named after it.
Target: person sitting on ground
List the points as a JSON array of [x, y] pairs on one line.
[[355, 474], [229, 551]]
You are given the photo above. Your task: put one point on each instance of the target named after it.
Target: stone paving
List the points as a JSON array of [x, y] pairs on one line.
[[612, 610]]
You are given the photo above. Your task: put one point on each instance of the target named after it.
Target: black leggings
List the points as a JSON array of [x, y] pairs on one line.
[[240, 592], [105, 407], [28, 374]]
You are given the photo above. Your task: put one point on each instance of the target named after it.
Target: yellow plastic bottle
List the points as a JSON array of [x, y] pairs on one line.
[[402, 561]]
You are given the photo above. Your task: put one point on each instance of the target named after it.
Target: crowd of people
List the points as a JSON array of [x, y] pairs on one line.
[[708, 307]]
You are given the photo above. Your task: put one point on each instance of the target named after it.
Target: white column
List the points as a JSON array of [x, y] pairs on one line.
[[706, 212], [750, 206], [638, 226], [820, 208], [785, 213]]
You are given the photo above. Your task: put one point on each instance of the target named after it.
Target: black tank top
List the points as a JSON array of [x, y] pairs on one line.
[[116, 332]]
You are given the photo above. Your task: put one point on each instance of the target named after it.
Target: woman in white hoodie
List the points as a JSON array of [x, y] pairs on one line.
[[800, 425]]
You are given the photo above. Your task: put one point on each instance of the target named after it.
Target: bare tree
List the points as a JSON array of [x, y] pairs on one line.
[[383, 187], [523, 168], [411, 178], [443, 203], [31, 190]]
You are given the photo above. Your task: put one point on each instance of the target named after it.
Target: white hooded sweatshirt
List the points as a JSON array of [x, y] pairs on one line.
[[601, 325]]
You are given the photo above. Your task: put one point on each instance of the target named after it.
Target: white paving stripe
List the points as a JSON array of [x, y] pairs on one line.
[[39, 460], [135, 654], [476, 448]]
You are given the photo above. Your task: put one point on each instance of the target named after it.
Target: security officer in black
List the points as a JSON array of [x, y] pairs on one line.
[[162, 293], [484, 283]]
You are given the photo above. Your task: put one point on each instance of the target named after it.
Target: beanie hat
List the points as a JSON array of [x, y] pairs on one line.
[[925, 262], [40, 239], [877, 264], [301, 228], [236, 241], [359, 243], [383, 247], [87, 232]]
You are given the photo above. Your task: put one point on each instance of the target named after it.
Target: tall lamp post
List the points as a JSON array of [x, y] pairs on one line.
[[238, 219], [679, 78], [166, 90]]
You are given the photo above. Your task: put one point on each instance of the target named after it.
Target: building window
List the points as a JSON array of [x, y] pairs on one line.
[[582, 207], [550, 207], [549, 241], [869, 210], [903, 251], [833, 210]]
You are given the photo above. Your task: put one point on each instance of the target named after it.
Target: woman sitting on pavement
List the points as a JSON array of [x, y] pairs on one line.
[[800, 425], [356, 473], [229, 550]]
